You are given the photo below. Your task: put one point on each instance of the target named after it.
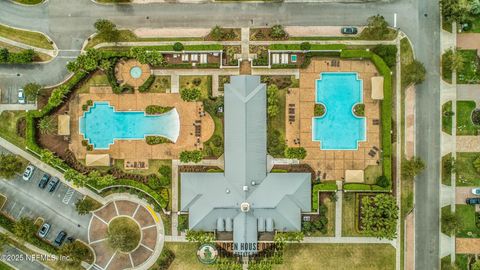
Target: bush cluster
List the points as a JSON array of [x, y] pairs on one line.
[[147, 84], [23, 57], [155, 109], [152, 140], [191, 156], [295, 152]]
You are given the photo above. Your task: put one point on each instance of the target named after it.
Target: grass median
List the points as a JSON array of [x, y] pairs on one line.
[[35, 39]]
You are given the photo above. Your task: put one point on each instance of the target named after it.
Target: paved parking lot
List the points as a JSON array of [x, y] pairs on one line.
[[20, 260], [25, 198]]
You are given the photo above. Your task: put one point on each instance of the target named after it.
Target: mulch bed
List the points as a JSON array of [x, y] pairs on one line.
[[195, 168], [297, 168]]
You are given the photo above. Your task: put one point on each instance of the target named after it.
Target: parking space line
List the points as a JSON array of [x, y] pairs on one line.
[[19, 213], [68, 195]]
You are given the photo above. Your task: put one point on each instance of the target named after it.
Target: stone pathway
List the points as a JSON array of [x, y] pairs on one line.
[[409, 122], [409, 236], [338, 210], [468, 41], [245, 43], [467, 143], [468, 92], [467, 245]]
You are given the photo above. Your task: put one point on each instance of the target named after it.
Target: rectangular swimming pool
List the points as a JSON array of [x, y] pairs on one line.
[[101, 125], [339, 128]]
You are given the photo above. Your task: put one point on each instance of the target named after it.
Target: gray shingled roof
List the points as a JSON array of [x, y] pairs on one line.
[[212, 197]]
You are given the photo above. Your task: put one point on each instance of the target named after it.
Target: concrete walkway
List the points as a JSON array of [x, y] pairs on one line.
[[347, 240], [52, 53], [467, 143], [175, 205], [338, 211], [17, 107], [468, 92], [245, 42]]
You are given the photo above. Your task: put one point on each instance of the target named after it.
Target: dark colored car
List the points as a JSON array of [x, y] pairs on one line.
[[52, 185], [60, 238], [44, 181], [350, 30], [473, 201], [44, 230]]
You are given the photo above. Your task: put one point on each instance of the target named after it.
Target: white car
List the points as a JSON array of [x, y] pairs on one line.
[[28, 172], [476, 191], [21, 96]]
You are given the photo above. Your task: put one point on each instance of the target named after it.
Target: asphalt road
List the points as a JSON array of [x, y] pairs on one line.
[[69, 22]]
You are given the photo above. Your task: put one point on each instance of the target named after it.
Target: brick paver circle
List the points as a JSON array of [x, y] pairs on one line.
[[108, 258]]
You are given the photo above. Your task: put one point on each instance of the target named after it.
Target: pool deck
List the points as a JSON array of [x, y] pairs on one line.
[[332, 162], [139, 149]]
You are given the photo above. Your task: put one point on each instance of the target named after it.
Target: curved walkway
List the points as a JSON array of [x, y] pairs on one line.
[[152, 234]]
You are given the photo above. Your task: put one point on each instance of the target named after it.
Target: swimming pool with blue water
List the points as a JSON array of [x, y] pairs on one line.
[[101, 125], [339, 128]]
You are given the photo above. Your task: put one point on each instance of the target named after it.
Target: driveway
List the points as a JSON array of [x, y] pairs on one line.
[[462, 193]]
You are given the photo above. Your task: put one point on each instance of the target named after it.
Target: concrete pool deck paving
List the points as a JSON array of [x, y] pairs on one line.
[[139, 149], [332, 162]]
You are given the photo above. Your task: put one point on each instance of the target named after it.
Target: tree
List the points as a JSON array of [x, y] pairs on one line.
[[76, 252], [107, 30], [412, 167], [382, 181], [414, 73], [47, 125], [31, 91], [191, 156], [275, 143], [450, 165], [177, 46], [167, 170], [377, 28], [84, 206], [144, 56], [77, 178], [453, 60], [277, 31], [217, 33], [105, 64], [456, 10], [305, 46], [388, 53], [24, 228], [476, 265], [190, 94], [272, 101], [4, 55], [379, 216], [450, 223], [9, 165], [295, 152]]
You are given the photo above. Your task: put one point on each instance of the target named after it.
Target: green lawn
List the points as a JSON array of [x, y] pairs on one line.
[[470, 72], [349, 216], [446, 119], [406, 54], [203, 83], [27, 37], [185, 257], [129, 36], [4, 266], [446, 70], [161, 84], [446, 176], [278, 122], [467, 221], [467, 175], [29, 2], [97, 79], [338, 256], [8, 127], [153, 166], [372, 172], [475, 25], [464, 119], [330, 204], [39, 57]]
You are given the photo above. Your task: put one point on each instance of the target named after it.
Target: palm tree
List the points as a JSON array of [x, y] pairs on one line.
[[47, 125]]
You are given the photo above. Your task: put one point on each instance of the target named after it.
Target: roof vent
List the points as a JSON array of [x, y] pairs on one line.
[[245, 207], [227, 191], [253, 183], [245, 188]]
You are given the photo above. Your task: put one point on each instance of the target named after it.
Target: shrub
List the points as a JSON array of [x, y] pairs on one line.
[[191, 156], [23, 57], [295, 152], [147, 56], [177, 46], [152, 140], [272, 100], [319, 110], [155, 109], [165, 260], [275, 143], [359, 109], [388, 53], [147, 84], [165, 171], [278, 32], [476, 117], [190, 94], [305, 46], [383, 181]]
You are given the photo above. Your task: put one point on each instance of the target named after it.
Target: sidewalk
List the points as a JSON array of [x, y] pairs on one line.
[[52, 53]]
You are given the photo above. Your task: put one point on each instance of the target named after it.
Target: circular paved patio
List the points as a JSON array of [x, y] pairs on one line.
[[124, 75], [151, 241]]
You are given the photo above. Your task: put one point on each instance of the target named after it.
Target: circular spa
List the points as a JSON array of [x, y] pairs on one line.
[[136, 72]]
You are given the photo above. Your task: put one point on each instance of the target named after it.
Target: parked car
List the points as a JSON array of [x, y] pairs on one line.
[[473, 201], [27, 174], [349, 30], [44, 230], [21, 96], [60, 238], [476, 191], [44, 181], [52, 185]]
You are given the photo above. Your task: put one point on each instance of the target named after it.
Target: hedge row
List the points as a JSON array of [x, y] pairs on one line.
[[364, 187], [200, 47], [386, 107], [163, 202], [329, 186], [313, 47], [147, 84]]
